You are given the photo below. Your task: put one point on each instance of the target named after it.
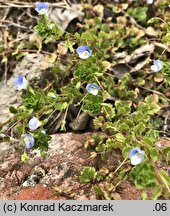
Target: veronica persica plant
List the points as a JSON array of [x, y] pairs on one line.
[[84, 52], [136, 156], [29, 141], [42, 8], [92, 88], [21, 83], [34, 123], [157, 65]]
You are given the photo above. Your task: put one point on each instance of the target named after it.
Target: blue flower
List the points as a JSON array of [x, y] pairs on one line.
[[136, 156], [34, 123], [84, 52], [92, 88], [21, 83], [29, 141], [157, 65], [42, 8]]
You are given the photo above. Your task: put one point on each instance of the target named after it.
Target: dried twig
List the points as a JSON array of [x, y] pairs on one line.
[[15, 24]]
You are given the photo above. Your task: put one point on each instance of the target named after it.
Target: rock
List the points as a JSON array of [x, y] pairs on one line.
[[32, 66], [5, 149], [65, 159]]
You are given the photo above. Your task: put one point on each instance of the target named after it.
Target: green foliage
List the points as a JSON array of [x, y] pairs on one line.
[[166, 70], [88, 174], [34, 99], [166, 38], [92, 104], [48, 30], [87, 70], [144, 176], [139, 13], [41, 141]]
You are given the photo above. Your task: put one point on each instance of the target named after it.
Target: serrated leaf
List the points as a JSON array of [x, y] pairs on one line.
[[154, 154], [119, 137], [61, 106], [88, 174], [140, 128], [87, 36]]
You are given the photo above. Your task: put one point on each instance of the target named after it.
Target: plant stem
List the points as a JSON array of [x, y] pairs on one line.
[[120, 166], [166, 189]]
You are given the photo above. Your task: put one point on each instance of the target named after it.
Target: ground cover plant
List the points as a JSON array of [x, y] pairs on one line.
[[114, 66]]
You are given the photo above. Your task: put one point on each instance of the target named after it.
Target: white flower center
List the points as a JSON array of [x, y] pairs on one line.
[[43, 11], [85, 53]]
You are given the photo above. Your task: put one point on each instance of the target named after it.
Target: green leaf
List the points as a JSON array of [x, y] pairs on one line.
[[144, 176], [98, 190], [98, 122], [24, 157], [120, 137], [123, 127], [144, 196], [101, 192], [101, 147], [69, 44], [13, 110], [139, 13], [61, 106], [48, 30], [126, 151], [140, 128], [41, 141], [109, 126], [153, 135], [88, 174], [43, 153], [87, 36], [140, 116], [92, 104], [87, 70], [35, 100], [154, 154], [123, 107], [103, 35], [108, 110]]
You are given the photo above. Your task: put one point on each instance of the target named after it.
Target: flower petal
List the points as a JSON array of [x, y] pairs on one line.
[[92, 88], [33, 123], [21, 83], [29, 141], [84, 52], [136, 156], [41, 8]]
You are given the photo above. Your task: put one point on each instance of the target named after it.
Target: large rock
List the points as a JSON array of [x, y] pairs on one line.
[[32, 66], [65, 159]]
